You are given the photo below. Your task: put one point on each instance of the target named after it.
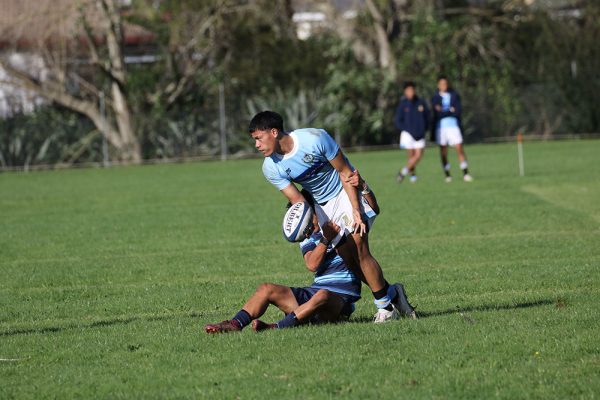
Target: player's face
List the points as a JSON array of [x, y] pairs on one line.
[[443, 85], [409, 92], [265, 141]]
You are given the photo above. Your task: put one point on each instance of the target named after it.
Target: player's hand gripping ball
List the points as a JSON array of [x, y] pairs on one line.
[[297, 222]]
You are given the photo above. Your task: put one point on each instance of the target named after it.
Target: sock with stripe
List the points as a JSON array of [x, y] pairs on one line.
[[447, 169], [289, 321], [242, 318], [382, 298]]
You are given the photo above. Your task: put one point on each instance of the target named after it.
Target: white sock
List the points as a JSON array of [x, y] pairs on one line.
[[405, 171], [447, 167], [464, 165]]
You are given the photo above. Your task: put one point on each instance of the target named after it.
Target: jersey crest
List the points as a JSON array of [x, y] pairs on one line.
[[308, 158]]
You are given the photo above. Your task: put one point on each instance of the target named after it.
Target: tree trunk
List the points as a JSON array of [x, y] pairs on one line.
[[131, 149], [387, 61]]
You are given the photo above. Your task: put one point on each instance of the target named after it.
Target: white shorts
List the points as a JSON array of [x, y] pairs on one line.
[[450, 136], [409, 142], [339, 210]]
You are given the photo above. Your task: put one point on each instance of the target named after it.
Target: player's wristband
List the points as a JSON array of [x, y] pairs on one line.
[[325, 241], [366, 189]]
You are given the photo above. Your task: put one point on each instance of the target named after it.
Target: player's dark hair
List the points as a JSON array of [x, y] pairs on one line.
[[444, 77], [266, 120], [408, 84]]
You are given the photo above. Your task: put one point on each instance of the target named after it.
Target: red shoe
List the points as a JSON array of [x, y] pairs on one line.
[[258, 325], [223, 327]]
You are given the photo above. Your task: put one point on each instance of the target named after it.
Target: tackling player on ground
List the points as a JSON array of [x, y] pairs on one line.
[[330, 298], [311, 158]]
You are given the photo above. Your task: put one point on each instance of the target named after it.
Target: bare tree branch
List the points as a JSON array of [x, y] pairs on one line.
[[54, 92]]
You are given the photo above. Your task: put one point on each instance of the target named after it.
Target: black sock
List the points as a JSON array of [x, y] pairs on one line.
[[446, 167], [289, 321], [242, 318], [465, 171], [382, 293]]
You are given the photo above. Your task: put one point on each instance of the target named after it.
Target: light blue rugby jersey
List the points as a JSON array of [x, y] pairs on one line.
[[307, 164], [447, 122], [332, 274]]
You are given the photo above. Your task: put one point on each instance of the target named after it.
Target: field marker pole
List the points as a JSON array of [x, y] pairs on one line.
[[222, 126], [520, 151]]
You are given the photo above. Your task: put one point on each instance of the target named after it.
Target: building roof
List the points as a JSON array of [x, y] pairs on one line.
[[27, 23]]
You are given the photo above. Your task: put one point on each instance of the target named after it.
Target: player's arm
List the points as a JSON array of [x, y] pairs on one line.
[[357, 181], [342, 166], [281, 182], [436, 104], [434, 116], [457, 105], [426, 116], [399, 118], [315, 257], [292, 193]]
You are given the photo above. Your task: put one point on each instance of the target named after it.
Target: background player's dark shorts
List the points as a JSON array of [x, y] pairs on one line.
[[304, 294]]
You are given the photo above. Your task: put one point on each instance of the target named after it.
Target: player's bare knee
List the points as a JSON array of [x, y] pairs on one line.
[[362, 248], [265, 288]]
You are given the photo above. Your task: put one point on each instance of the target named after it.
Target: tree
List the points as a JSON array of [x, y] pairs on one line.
[[84, 57], [99, 43]]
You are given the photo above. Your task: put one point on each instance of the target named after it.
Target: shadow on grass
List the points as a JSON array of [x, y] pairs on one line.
[[122, 320], [462, 310], [164, 317]]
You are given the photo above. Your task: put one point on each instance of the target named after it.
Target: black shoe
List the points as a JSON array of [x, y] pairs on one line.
[[402, 304]]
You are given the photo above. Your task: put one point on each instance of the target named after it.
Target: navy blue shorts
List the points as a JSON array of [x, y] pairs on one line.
[[304, 294]]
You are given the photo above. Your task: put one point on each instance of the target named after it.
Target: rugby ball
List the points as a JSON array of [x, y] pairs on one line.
[[296, 221]]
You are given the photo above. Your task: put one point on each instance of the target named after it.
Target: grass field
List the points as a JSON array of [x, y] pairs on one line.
[[109, 275]]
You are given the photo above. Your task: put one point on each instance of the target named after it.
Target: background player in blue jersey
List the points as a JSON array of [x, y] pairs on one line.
[[330, 298], [311, 158], [446, 126], [412, 120]]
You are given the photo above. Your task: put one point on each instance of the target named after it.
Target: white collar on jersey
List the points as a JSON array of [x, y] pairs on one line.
[[294, 149]]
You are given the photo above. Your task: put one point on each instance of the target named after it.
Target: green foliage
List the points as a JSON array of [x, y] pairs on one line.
[[109, 276], [560, 63], [350, 99], [49, 135], [517, 69]]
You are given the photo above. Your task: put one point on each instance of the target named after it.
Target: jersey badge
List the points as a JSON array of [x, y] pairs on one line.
[[308, 158]]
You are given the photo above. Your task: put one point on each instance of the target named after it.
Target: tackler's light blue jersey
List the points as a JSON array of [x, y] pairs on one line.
[[307, 164]]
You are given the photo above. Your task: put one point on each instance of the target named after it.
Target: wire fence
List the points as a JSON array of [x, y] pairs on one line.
[[251, 155]]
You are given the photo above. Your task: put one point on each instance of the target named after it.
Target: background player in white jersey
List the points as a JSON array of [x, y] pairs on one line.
[[446, 126], [311, 158]]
